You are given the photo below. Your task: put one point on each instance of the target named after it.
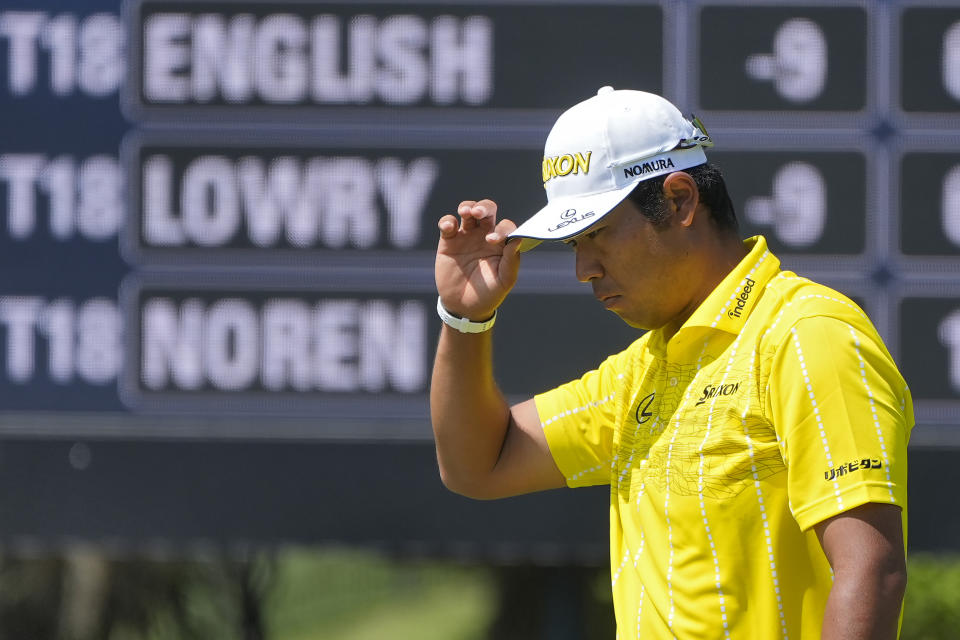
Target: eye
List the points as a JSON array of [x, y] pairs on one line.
[[593, 234], [590, 235]]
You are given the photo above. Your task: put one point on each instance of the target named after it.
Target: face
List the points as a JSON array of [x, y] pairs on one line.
[[640, 271]]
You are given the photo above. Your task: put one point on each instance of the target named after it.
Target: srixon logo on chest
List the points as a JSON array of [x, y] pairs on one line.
[[741, 300], [714, 390]]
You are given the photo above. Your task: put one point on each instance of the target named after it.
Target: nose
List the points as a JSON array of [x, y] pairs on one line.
[[588, 267]]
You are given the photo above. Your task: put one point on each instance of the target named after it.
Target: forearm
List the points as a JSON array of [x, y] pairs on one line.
[[470, 416], [864, 606]]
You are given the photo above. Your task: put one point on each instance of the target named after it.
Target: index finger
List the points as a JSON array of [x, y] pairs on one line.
[[478, 210]]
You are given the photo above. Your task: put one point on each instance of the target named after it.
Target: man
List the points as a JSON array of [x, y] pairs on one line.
[[754, 438]]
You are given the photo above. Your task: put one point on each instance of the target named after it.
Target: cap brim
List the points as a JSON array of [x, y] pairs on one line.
[[564, 218]]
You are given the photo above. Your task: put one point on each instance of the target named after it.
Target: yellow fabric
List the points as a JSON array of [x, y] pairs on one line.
[[774, 407]]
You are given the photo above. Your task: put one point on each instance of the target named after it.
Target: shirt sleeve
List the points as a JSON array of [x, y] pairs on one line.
[[843, 415], [579, 420]]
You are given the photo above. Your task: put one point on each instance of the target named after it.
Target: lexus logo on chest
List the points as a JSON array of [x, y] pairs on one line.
[[642, 414]]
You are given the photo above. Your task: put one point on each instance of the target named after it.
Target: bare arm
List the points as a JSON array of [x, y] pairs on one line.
[[865, 549], [485, 448]]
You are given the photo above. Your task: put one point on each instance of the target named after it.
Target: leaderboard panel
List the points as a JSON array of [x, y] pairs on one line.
[[217, 207], [928, 64], [929, 212], [273, 59], [810, 202], [220, 199], [929, 346], [214, 346], [134, 149], [794, 65]]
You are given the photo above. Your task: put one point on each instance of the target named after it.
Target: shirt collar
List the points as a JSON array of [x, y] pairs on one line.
[[729, 305]]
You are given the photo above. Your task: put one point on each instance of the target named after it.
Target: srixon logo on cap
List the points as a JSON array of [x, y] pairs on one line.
[[562, 165]]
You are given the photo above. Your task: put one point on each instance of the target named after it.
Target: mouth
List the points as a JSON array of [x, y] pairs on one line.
[[608, 301]]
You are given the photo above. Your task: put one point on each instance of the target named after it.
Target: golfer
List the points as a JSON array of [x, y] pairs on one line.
[[754, 438]]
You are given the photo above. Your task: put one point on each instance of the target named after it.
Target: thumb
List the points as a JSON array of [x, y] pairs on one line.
[[510, 261]]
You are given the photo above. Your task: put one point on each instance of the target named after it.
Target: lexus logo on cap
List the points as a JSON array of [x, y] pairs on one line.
[[569, 217]]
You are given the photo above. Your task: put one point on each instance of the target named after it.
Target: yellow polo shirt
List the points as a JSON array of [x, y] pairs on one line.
[[773, 408]]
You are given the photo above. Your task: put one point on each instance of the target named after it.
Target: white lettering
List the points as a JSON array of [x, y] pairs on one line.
[[21, 171], [171, 344], [89, 56], [57, 323], [210, 202], [401, 41], [797, 208], [98, 351], [280, 62], [100, 201], [59, 181], [87, 200], [335, 330], [334, 202], [394, 342], [59, 37], [286, 345], [349, 191], [82, 339], [166, 57], [18, 315], [230, 351], [329, 85], [101, 59], [405, 194], [949, 334], [221, 57], [288, 59], [21, 28], [333, 346], [274, 196], [798, 64], [950, 62], [950, 205], [160, 226], [463, 59]]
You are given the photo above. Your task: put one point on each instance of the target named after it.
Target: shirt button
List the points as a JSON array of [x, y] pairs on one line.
[[673, 382]]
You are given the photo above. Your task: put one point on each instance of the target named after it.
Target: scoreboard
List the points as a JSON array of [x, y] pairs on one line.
[[218, 218]]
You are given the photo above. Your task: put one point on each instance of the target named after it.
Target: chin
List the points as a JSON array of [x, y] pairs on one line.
[[644, 324]]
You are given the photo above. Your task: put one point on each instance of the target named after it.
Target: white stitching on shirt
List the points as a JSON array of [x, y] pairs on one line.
[[623, 563], [570, 412], [816, 414], [666, 502], [873, 411], [763, 509], [703, 506]]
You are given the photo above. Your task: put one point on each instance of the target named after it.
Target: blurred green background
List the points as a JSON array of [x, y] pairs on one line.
[[334, 593]]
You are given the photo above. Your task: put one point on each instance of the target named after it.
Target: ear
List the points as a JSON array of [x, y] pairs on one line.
[[682, 196]]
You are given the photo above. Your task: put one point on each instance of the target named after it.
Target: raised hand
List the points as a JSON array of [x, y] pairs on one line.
[[475, 267]]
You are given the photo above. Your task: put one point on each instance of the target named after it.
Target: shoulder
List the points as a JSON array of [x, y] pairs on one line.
[[789, 300], [618, 368], [602, 382]]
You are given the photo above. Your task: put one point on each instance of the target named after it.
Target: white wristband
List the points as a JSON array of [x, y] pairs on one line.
[[462, 324]]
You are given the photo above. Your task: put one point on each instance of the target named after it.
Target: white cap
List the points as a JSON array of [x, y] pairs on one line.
[[599, 150]]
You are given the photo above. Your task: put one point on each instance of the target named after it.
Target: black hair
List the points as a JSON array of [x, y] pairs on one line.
[[648, 197]]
